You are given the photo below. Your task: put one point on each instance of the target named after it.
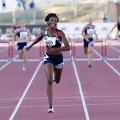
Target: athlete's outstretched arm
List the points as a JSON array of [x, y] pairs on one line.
[[66, 46], [36, 41], [95, 34], [83, 34]]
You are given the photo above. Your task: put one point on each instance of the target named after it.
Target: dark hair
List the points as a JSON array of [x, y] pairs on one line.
[[51, 15]]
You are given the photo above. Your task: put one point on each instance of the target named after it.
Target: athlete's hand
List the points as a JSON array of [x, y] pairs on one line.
[[87, 40], [27, 48]]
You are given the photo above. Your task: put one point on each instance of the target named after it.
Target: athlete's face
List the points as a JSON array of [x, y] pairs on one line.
[[90, 21], [52, 22], [22, 22]]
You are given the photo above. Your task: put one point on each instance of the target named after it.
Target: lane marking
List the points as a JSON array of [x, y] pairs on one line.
[[116, 49], [112, 67], [63, 98], [81, 91], [5, 65], [38, 106], [2, 50], [115, 70], [25, 92], [37, 98]]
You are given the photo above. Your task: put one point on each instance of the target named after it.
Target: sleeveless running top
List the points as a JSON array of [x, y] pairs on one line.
[[53, 41], [89, 30], [22, 33]]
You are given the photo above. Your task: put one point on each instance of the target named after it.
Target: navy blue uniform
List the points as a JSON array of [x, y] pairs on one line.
[[53, 41], [22, 44], [89, 31]]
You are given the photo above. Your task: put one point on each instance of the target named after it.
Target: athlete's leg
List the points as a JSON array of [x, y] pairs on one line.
[[49, 69], [24, 57], [86, 50], [89, 53], [57, 74], [20, 53]]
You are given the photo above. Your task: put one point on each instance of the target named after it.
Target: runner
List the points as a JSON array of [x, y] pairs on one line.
[[88, 41], [53, 59], [22, 35]]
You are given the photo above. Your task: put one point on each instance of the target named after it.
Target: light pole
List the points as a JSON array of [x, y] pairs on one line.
[[74, 7]]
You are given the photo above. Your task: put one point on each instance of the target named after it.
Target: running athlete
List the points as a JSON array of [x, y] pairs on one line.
[[21, 35], [88, 41], [53, 59], [118, 28]]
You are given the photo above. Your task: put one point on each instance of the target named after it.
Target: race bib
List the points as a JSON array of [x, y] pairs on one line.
[[23, 34], [90, 31], [49, 41]]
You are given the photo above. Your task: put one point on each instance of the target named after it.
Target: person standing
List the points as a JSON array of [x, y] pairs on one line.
[[88, 41], [21, 36], [53, 59]]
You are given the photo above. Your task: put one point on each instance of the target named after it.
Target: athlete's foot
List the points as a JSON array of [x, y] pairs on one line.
[[24, 68], [89, 65], [50, 110]]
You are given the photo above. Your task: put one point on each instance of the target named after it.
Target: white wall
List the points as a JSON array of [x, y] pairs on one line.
[[10, 5]]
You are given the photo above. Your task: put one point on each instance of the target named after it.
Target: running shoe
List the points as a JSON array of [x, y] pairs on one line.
[[89, 65], [23, 68], [50, 110]]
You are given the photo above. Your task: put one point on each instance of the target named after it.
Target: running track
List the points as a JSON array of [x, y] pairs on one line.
[[83, 93]]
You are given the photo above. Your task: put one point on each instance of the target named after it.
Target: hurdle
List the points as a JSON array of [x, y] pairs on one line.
[[7, 46], [112, 50], [79, 44]]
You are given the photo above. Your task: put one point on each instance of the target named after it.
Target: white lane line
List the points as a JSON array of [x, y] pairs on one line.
[[25, 92], [97, 53], [114, 48], [81, 91], [39, 98], [112, 67], [115, 70], [5, 65], [2, 50], [39, 106], [62, 105], [45, 98]]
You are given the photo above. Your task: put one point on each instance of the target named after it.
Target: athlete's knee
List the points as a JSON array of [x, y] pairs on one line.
[[50, 81]]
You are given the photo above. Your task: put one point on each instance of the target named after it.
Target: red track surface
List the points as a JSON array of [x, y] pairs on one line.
[[83, 93]]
